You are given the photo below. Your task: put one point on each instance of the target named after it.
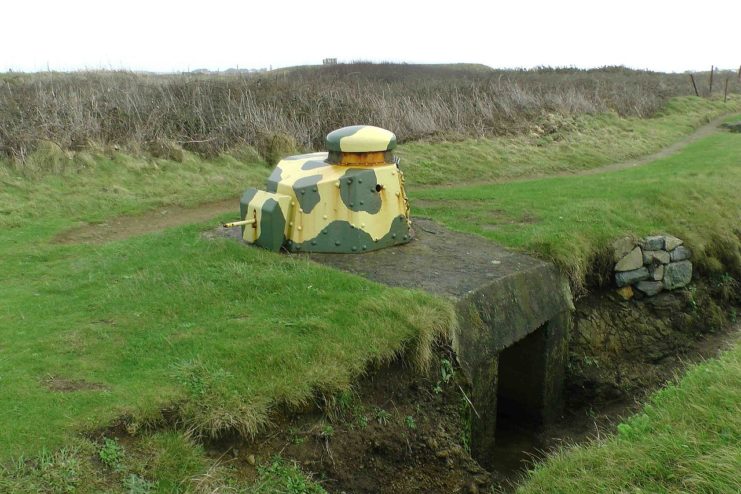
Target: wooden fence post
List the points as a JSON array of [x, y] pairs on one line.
[[712, 69], [725, 91], [692, 78]]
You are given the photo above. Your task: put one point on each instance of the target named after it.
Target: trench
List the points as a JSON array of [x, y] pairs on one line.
[[529, 377]]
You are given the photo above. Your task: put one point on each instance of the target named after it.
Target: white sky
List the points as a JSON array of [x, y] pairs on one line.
[[168, 35]]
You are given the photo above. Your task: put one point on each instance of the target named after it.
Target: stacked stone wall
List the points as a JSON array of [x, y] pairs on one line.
[[651, 265]]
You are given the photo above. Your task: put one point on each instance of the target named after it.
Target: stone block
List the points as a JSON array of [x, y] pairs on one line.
[[622, 247], [629, 277], [653, 242], [677, 274], [626, 292], [656, 257], [671, 243], [650, 288], [656, 272], [630, 262], [680, 254]]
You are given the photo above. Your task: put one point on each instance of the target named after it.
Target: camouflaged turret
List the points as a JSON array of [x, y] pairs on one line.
[[348, 199]]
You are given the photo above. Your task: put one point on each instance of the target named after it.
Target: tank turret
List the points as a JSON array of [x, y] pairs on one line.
[[348, 199]]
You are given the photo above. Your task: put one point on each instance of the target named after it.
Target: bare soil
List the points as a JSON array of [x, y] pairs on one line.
[[123, 227], [59, 384]]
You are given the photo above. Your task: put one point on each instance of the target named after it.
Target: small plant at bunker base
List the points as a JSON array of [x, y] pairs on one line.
[[111, 454], [382, 416]]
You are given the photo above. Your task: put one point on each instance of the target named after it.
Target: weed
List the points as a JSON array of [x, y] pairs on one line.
[[362, 421], [410, 422], [327, 431], [111, 454], [283, 477], [382, 416], [134, 484], [296, 436], [446, 371]]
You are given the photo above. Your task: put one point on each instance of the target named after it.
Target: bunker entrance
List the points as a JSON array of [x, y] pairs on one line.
[[521, 375]]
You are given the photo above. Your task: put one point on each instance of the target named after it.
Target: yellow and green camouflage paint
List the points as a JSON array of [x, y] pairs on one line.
[[350, 199]]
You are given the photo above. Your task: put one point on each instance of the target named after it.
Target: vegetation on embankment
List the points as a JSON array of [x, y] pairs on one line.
[[216, 332], [573, 220], [557, 145], [685, 439], [213, 114]]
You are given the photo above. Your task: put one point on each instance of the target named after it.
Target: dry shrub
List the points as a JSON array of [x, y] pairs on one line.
[[287, 109]]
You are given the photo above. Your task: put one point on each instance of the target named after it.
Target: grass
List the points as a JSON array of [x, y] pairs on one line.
[[686, 439], [573, 220], [222, 335], [557, 145], [220, 332]]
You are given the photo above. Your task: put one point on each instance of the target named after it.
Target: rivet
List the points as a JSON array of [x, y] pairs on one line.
[[352, 204], [373, 189], [354, 248], [290, 223], [293, 203], [324, 217], [398, 194], [314, 189], [337, 242], [362, 225], [349, 180], [324, 231], [313, 242], [360, 180], [365, 247], [303, 192], [405, 236], [361, 203], [393, 173], [337, 184], [300, 228], [393, 235]]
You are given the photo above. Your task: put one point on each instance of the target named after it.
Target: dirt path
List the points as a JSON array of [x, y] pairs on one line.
[[123, 227], [701, 132], [127, 226], [704, 131]]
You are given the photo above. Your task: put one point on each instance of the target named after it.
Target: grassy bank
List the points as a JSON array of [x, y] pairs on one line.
[[573, 220], [218, 332], [686, 439], [557, 144]]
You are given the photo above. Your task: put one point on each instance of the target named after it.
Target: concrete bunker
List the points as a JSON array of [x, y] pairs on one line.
[[514, 313], [513, 310]]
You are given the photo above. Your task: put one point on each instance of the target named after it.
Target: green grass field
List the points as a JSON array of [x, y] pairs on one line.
[[222, 334], [561, 146], [686, 439], [572, 220]]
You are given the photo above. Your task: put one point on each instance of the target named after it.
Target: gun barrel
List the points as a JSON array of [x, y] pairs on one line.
[[239, 223]]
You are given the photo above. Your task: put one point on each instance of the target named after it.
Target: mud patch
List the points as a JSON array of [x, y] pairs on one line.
[[123, 227], [396, 432], [61, 385]]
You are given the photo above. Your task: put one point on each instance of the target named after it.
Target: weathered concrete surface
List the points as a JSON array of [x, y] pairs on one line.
[[501, 298]]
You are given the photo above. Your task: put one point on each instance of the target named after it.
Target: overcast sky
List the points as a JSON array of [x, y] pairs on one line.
[[166, 36]]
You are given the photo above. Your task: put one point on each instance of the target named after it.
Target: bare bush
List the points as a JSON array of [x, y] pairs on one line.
[[210, 114]]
